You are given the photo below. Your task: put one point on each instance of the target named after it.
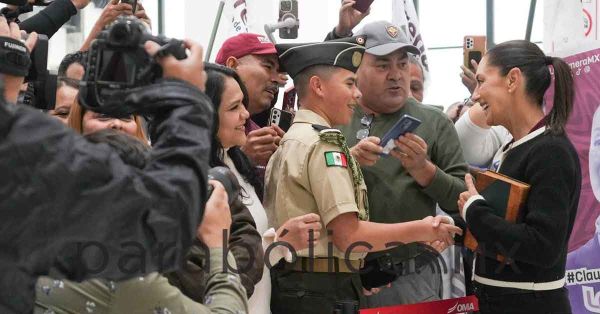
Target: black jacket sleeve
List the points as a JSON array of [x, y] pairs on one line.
[[57, 189], [541, 236], [246, 245], [51, 19], [332, 35]]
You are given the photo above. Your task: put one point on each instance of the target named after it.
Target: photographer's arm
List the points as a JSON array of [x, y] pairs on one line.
[[52, 18], [224, 286], [156, 209]]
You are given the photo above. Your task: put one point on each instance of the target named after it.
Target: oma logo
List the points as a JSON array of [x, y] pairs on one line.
[[461, 308]]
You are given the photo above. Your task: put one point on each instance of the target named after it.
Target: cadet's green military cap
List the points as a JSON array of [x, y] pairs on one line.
[[344, 53]]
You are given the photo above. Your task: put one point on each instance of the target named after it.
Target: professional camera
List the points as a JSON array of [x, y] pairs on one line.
[[229, 181], [41, 85], [117, 61]]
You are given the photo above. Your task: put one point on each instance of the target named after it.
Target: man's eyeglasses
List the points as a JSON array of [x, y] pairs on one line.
[[365, 121]]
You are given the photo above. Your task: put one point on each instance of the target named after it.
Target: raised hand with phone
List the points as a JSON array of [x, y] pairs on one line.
[[474, 47], [352, 12]]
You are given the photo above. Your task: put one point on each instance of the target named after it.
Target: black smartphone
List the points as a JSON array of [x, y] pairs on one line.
[[133, 4], [405, 125], [281, 118], [289, 100], [288, 8], [474, 55], [362, 5]]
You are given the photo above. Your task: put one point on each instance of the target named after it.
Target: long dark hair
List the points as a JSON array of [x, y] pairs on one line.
[[533, 63], [215, 85]]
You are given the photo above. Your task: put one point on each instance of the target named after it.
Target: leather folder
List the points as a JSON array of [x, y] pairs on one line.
[[505, 195]]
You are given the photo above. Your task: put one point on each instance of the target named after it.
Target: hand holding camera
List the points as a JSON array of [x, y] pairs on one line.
[[217, 217], [12, 45], [126, 56], [190, 69], [111, 12]]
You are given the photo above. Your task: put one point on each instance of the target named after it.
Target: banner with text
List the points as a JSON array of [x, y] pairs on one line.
[[583, 129]]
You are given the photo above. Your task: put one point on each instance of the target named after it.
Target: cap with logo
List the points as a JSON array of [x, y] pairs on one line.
[[384, 38], [344, 53], [245, 44]]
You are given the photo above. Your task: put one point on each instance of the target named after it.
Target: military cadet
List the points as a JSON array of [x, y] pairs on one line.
[[313, 172]]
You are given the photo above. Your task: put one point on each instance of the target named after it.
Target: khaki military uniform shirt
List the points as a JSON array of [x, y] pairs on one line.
[[301, 179]]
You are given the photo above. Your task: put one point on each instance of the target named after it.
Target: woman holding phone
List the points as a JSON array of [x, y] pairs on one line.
[[512, 79]]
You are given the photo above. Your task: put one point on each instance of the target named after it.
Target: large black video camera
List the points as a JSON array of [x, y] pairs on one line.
[[41, 85], [117, 62]]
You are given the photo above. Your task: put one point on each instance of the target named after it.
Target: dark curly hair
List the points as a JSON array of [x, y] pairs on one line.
[[215, 85]]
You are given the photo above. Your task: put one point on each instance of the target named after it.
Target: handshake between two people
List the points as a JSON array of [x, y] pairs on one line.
[[303, 232]]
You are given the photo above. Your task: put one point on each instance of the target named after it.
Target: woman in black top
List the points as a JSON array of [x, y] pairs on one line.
[[511, 81]]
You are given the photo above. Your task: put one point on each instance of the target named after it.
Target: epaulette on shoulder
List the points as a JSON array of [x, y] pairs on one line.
[[325, 129]]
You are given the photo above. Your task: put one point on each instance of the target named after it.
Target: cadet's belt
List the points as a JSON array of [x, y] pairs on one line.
[[324, 265]]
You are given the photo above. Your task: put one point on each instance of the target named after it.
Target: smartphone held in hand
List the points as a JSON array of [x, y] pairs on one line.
[[474, 48], [133, 4], [405, 125], [281, 118], [362, 5]]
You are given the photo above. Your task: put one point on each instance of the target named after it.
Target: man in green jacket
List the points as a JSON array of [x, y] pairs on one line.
[[426, 167]]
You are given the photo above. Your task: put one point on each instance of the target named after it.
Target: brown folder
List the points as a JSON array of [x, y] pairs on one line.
[[504, 194]]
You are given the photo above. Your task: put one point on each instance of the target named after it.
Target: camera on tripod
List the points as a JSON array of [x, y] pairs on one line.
[[117, 62]]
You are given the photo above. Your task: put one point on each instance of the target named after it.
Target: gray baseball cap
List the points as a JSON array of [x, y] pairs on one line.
[[384, 38]]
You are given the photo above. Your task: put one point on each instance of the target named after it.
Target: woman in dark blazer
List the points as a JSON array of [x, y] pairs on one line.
[[512, 79]]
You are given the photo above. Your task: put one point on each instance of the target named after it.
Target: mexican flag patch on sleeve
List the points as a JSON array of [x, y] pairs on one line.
[[336, 159]]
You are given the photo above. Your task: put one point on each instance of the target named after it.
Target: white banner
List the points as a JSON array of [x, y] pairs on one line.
[[404, 15], [239, 16], [250, 16], [564, 24]]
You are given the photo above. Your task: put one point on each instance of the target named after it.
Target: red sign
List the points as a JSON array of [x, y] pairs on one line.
[[587, 22], [449, 306]]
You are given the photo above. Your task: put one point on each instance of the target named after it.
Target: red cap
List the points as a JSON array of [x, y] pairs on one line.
[[245, 44]]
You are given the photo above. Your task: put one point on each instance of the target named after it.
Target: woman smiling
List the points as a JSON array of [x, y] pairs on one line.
[[511, 82]]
